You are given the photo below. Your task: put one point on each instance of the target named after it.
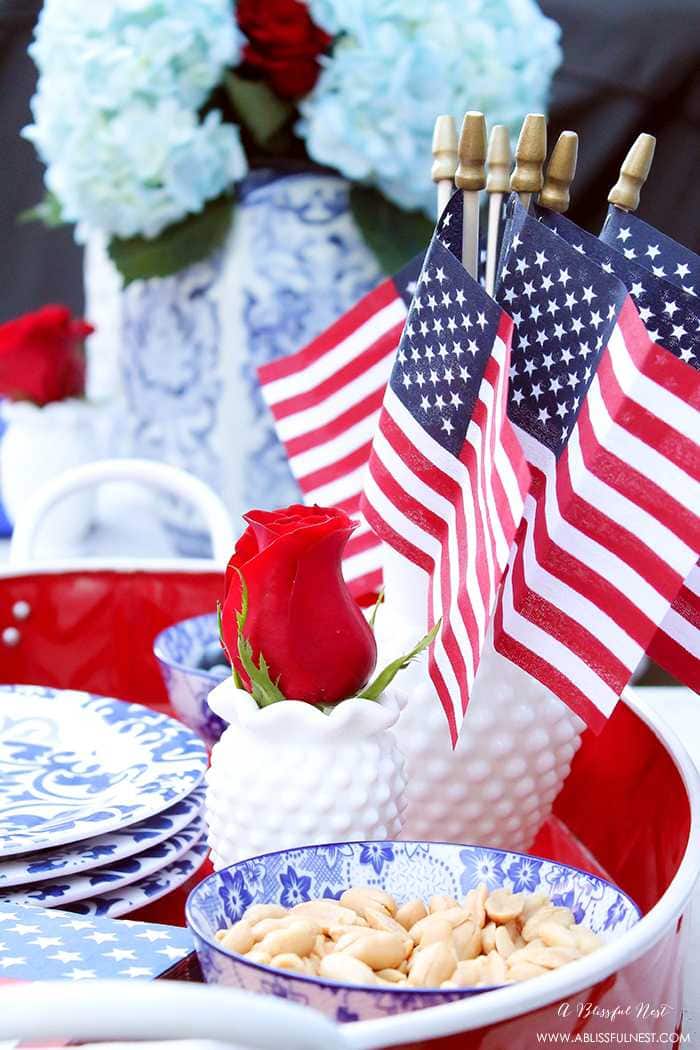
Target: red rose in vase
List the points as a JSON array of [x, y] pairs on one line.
[[301, 616], [42, 357], [283, 44]]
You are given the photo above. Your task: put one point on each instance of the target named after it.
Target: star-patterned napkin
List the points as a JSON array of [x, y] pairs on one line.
[[47, 944]]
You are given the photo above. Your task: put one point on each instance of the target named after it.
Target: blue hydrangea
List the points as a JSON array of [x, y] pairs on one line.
[[116, 110], [396, 64]]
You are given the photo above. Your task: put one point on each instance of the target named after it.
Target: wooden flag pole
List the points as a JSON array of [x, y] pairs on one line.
[[560, 173], [633, 174], [529, 158], [470, 177], [444, 160], [498, 162]]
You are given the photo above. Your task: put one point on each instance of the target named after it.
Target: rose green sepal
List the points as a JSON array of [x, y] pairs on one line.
[[263, 690], [236, 677], [375, 689]]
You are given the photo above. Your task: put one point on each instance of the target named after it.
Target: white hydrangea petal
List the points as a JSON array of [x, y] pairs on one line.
[[116, 110]]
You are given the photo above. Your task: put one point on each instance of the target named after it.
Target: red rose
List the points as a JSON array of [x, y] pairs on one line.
[[283, 44], [301, 616], [42, 357]]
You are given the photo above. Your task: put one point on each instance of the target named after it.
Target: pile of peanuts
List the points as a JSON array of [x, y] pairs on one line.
[[367, 938]]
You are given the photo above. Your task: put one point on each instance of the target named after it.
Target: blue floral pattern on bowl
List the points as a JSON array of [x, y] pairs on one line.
[[178, 649], [404, 869]]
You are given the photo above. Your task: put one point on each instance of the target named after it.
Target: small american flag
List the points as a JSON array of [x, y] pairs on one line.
[[446, 476], [676, 645], [607, 420], [326, 401]]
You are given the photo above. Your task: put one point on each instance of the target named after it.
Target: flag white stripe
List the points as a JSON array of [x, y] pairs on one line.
[[580, 546], [335, 449], [328, 410], [339, 490], [346, 351], [652, 464], [672, 410], [682, 631]]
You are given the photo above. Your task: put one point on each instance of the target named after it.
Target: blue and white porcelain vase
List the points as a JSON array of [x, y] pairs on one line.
[[189, 344]]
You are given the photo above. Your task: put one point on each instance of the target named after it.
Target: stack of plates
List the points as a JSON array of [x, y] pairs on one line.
[[100, 802]]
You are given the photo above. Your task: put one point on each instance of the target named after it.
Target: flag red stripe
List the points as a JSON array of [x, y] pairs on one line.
[[545, 672], [338, 469], [654, 361]]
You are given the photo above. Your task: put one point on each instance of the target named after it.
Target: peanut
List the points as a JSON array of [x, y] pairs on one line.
[[475, 902], [556, 936], [379, 920], [523, 971], [548, 913], [430, 966], [256, 956], [265, 926], [341, 967], [488, 938], [431, 929], [380, 950], [348, 937], [586, 940], [494, 970], [392, 976], [298, 938], [361, 897], [289, 961], [503, 906], [238, 938], [411, 912], [326, 914], [504, 943], [441, 903], [256, 912], [467, 940], [469, 973]]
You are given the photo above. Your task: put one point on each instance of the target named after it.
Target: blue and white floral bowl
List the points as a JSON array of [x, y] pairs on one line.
[[178, 649], [404, 869]]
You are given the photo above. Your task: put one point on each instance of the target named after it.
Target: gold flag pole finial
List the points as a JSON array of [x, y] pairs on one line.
[[530, 153], [444, 159], [498, 160], [470, 177], [560, 173], [498, 164], [633, 174]]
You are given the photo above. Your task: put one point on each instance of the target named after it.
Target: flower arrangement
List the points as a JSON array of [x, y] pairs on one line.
[[42, 356], [288, 623], [149, 112]]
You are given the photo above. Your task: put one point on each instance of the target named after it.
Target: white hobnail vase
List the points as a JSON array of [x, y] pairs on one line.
[[40, 443], [291, 775], [496, 788]]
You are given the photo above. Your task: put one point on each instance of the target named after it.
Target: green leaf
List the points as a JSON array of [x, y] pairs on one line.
[[186, 242], [259, 109], [47, 211], [263, 690], [219, 618], [375, 689], [394, 236], [375, 610]]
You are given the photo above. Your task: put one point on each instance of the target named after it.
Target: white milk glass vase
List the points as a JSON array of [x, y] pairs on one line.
[[496, 788], [290, 774]]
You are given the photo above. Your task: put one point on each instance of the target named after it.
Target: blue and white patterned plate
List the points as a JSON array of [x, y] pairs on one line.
[[55, 893], [145, 891], [74, 765], [105, 849]]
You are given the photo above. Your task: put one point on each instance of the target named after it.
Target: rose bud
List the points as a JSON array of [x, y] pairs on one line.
[[301, 616]]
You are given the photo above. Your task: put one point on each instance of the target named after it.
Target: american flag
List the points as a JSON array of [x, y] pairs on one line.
[[326, 401], [676, 645], [601, 411], [446, 476]]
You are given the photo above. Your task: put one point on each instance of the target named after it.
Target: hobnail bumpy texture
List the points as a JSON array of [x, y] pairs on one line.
[[290, 775], [513, 756]]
